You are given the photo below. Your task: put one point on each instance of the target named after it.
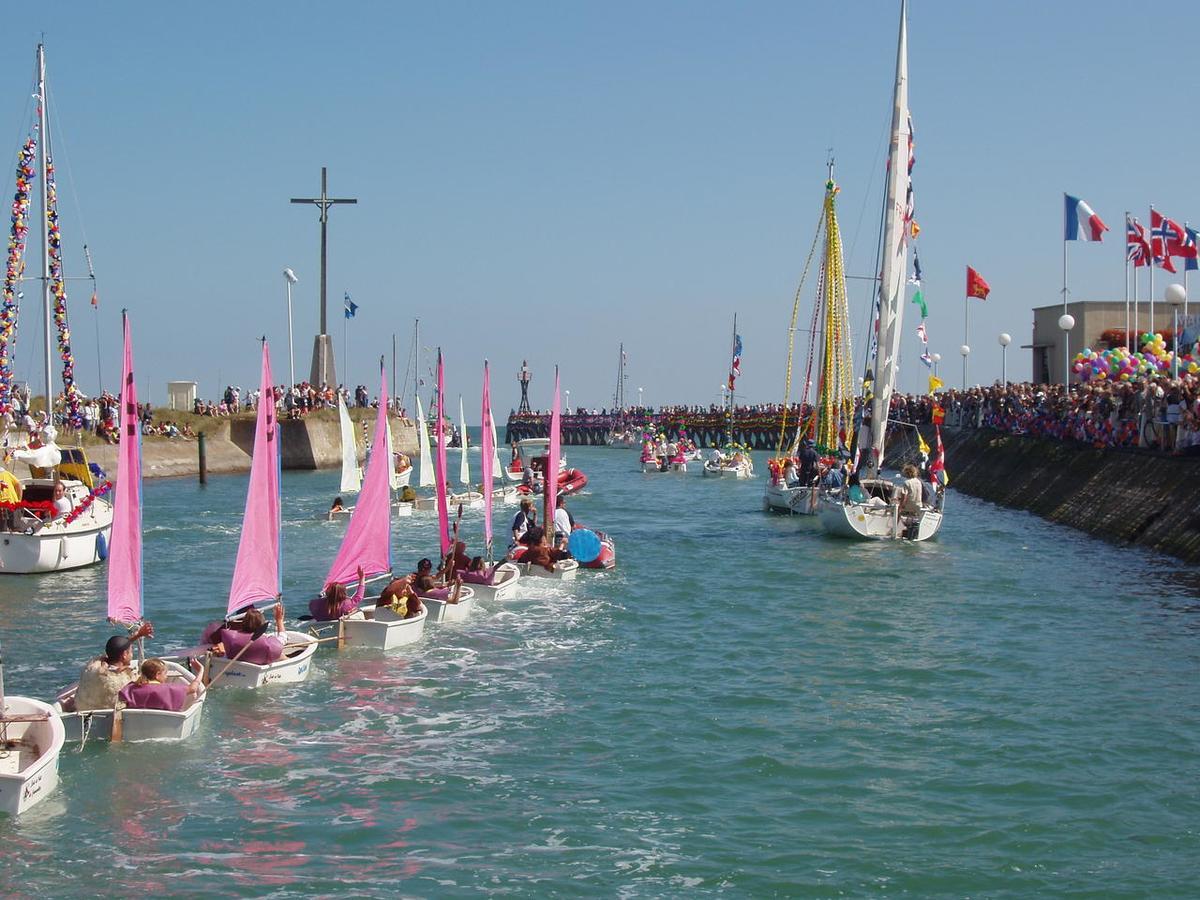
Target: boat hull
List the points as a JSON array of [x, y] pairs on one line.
[[564, 570], [441, 611], [374, 629], [863, 521], [292, 669], [715, 470], [56, 547], [29, 770], [797, 501], [504, 585], [136, 724]]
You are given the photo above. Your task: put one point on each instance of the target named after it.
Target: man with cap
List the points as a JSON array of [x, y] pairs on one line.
[[102, 679]]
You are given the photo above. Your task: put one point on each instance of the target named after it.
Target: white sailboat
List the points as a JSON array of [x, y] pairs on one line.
[[878, 516], [32, 537], [125, 596], [351, 473], [31, 738]]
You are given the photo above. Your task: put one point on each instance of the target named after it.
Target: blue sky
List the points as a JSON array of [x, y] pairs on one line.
[[546, 180]]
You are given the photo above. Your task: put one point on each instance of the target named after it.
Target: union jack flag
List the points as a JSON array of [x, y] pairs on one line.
[[1137, 248]]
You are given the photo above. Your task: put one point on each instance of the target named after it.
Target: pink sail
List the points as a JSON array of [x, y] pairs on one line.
[[256, 575], [368, 540], [125, 551], [552, 462], [487, 453], [440, 479]]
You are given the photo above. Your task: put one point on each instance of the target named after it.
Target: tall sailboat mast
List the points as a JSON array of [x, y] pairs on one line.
[[43, 158], [895, 255], [619, 396]]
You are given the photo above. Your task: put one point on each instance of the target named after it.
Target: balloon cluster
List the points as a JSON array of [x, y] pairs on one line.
[[1119, 364], [58, 289], [18, 232], [86, 502]]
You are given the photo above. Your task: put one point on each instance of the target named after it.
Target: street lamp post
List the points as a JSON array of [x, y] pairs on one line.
[[937, 358], [1175, 294], [965, 350], [640, 397], [1066, 322], [1005, 340], [568, 394], [289, 278]]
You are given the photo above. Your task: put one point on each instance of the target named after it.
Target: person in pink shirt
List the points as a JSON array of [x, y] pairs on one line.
[[333, 603], [247, 636], [153, 691]]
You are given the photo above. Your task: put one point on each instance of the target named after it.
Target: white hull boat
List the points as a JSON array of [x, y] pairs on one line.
[[877, 521], [291, 669], [402, 479], [503, 586], [468, 500], [564, 570], [136, 724], [652, 465], [29, 546], [402, 509], [445, 611], [369, 628], [714, 469], [798, 501], [29, 749], [507, 495]]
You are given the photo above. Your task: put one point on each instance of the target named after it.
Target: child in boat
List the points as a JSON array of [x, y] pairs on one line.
[[400, 597], [153, 691], [435, 587], [247, 636], [333, 603], [336, 507]]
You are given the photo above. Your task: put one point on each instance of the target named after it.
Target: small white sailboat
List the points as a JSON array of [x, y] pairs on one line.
[[368, 545], [729, 463], [258, 571], [125, 598], [33, 538], [31, 738], [876, 514], [351, 473]]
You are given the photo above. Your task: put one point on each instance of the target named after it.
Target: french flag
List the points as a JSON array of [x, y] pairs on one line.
[[1082, 224]]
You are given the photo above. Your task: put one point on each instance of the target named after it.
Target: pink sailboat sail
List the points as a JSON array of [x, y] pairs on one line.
[[552, 462], [489, 450], [256, 574], [368, 540], [125, 553], [440, 476]]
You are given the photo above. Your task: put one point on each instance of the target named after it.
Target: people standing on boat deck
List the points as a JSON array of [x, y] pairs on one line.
[[564, 522], [401, 598], [525, 519], [809, 461], [102, 679], [249, 633], [333, 603], [910, 503], [153, 691]]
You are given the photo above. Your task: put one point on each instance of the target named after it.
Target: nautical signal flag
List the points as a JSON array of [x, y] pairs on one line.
[[937, 468], [918, 298], [95, 299], [934, 384], [1190, 241], [1082, 224], [976, 286], [1137, 248], [1163, 232], [350, 306]]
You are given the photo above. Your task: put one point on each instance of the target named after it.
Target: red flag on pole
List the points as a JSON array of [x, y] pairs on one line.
[[976, 286]]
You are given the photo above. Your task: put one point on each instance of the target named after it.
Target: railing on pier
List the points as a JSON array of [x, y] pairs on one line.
[[756, 429]]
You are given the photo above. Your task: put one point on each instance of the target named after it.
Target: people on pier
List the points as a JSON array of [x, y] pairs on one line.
[[334, 602], [153, 691], [102, 679]]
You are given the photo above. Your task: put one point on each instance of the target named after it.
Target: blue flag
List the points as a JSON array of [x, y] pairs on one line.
[[351, 307]]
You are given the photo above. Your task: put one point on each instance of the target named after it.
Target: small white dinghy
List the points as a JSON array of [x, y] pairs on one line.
[[31, 737], [564, 570], [136, 724], [502, 586], [370, 628], [291, 668], [466, 499], [444, 611], [796, 500], [729, 467]]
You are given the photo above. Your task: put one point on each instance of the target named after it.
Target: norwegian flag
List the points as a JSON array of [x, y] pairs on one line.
[[1137, 248], [1184, 248], [1162, 232]]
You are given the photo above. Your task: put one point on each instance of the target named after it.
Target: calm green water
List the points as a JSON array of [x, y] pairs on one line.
[[744, 707]]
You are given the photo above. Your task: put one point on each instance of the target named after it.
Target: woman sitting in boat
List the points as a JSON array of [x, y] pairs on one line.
[[336, 507], [400, 597], [538, 552], [246, 640], [153, 691], [333, 604], [436, 587], [458, 558], [402, 463]]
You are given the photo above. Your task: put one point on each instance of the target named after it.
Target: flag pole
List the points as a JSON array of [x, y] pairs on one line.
[[1185, 271], [1127, 341], [1064, 233], [966, 333], [1153, 261]]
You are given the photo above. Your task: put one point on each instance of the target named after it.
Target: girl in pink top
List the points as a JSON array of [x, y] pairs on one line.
[[247, 637], [333, 603], [153, 691]]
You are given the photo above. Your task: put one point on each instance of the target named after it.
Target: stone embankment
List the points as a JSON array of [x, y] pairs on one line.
[[1123, 496], [310, 443]]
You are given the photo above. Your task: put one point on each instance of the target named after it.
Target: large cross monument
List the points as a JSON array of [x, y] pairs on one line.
[[323, 369]]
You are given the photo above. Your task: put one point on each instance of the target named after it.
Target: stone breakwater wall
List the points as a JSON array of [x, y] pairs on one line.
[[312, 443], [1125, 497]]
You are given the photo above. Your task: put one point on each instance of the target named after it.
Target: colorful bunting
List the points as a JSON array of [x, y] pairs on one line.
[[15, 267]]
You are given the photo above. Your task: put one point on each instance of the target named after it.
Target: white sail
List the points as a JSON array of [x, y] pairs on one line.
[[426, 476], [351, 474], [497, 470], [895, 255], [393, 477], [464, 465]]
